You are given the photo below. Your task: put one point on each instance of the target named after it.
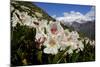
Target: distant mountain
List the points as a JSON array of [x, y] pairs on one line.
[[87, 28]]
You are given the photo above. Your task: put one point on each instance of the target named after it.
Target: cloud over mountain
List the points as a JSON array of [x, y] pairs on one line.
[[73, 16]]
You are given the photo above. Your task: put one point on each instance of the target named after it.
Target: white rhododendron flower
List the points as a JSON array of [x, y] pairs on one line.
[[14, 20], [81, 45], [25, 18], [50, 50], [54, 28], [70, 51], [40, 38], [92, 43], [40, 34], [86, 40], [52, 45], [74, 35], [71, 39], [42, 25]]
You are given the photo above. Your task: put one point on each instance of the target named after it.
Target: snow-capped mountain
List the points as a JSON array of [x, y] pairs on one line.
[[84, 23]]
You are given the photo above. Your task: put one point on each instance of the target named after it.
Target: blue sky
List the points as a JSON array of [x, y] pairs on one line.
[[59, 9]]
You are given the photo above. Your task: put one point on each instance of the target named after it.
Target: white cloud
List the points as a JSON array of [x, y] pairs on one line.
[[72, 16]]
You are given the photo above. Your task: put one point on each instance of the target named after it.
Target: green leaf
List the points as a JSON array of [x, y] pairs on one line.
[[58, 57], [74, 57], [39, 56]]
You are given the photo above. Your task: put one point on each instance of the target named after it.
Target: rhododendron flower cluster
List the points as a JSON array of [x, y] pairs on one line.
[[59, 39]]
